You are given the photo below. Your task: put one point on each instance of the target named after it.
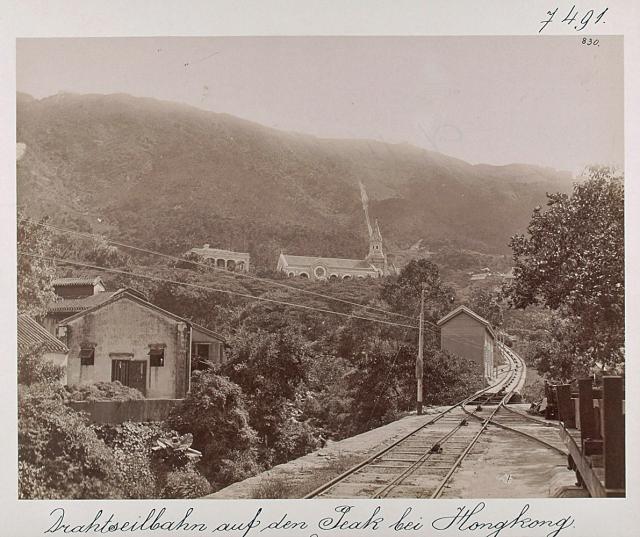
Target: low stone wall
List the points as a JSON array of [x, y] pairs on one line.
[[121, 411]]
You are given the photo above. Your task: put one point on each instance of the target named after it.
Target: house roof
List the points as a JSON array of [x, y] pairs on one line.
[[82, 280], [208, 332], [31, 334], [137, 297], [74, 305], [117, 295], [329, 262], [473, 314]]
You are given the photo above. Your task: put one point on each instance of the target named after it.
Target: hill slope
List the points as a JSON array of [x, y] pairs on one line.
[[171, 176]]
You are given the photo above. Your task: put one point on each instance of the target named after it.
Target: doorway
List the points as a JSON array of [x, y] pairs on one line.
[[132, 373]]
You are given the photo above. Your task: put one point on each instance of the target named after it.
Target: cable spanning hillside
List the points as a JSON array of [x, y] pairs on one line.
[[173, 176]]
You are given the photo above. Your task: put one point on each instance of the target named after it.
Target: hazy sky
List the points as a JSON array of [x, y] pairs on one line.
[[542, 100]]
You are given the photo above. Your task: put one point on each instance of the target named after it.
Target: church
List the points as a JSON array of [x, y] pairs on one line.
[[375, 265]]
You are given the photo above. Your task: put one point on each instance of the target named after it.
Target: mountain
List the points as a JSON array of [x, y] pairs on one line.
[[170, 177]]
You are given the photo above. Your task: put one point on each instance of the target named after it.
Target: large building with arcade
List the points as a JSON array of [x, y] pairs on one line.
[[374, 265]]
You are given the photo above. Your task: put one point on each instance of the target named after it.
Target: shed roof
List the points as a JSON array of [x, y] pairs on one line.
[[206, 331], [463, 309], [81, 280], [31, 334]]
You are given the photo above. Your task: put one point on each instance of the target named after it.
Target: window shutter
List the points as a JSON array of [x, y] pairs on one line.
[[156, 357]]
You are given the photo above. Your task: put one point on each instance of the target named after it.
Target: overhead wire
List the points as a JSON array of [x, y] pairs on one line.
[[243, 295], [208, 288], [214, 268], [386, 380], [427, 324]]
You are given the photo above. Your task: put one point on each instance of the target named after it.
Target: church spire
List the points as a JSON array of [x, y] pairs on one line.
[[376, 255]]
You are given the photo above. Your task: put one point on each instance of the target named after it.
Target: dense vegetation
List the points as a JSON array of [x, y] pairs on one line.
[[294, 378], [235, 184], [571, 263]]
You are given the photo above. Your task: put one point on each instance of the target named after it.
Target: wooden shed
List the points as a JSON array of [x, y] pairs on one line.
[[464, 333]]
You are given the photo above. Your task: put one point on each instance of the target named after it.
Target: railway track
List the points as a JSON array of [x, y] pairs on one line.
[[422, 463]]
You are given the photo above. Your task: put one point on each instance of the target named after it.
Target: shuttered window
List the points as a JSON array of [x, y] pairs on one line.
[[87, 355], [156, 357]]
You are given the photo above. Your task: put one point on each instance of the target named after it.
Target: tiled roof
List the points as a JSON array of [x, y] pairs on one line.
[[329, 262], [83, 280], [74, 305], [31, 334], [118, 295], [216, 252]]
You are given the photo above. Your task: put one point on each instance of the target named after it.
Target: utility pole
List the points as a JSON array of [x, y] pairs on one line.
[[419, 368]]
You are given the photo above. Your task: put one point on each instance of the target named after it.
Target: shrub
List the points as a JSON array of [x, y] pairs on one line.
[[130, 444], [238, 465], [272, 488], [214, 412], [34, 368], [185, 483], [100, 391], [295, 439], [59, 455], [269, 368], [328, 403]]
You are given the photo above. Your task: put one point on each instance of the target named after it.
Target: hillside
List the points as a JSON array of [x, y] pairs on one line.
[[172, 176]]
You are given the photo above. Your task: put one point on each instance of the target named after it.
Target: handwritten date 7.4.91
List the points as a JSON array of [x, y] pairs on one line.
[[573, 18]]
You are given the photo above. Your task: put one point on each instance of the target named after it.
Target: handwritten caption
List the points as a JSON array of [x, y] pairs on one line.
[[575, 19], [341, 520]]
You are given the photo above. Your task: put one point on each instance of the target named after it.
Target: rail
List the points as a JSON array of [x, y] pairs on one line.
[[514, 382], [508, 382]]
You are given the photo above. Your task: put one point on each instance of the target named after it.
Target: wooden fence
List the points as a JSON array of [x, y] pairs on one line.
[[593, 429]]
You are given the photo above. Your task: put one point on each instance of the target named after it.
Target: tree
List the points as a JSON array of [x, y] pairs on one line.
[[34, 368], [94, 249], [487, 305], [572, 261], [35, 275], [269, 367], [215, 413], [403, 292], [59, 454]]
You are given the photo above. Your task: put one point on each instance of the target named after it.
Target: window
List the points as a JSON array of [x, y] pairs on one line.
[[156, 357], [200, 355], [87, 355]]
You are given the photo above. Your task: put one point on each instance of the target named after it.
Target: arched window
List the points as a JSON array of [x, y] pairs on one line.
[[320, 272], [304, 275], [333, 277], [346, 277], [291, 274]]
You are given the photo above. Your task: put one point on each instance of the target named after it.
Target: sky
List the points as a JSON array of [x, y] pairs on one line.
[[548, 100]]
